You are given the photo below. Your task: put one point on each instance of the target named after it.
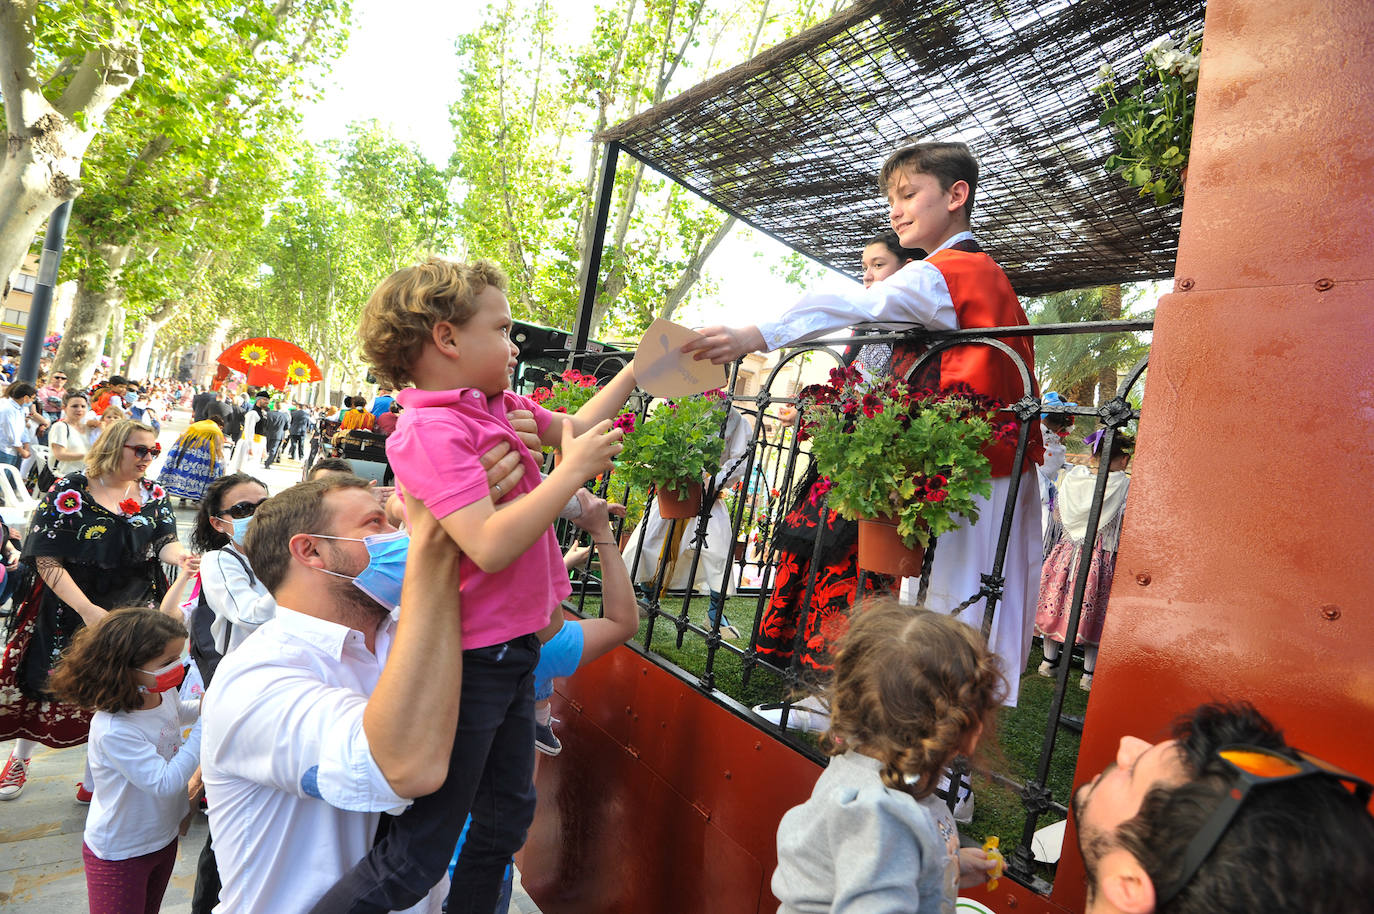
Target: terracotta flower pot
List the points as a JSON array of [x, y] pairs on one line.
[[671, 507], [882, 550]]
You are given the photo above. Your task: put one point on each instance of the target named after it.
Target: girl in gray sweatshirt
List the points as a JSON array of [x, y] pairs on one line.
[[912, 690]]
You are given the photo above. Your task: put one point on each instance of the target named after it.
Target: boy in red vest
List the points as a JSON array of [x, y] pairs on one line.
[[930, 189]]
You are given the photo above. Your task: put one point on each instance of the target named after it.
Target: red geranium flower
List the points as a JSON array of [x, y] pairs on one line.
[[873, 404], [937, 495], [130, 506]]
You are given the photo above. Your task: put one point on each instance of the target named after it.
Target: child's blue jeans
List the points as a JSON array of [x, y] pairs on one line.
[[491, 775]]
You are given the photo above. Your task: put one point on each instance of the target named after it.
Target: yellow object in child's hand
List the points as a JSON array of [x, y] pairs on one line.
[[995, 855]]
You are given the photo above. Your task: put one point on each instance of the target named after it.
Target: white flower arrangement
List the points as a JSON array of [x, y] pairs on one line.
[[1152, 123]]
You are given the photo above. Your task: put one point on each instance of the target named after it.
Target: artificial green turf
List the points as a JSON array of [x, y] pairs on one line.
[[1020, 730]]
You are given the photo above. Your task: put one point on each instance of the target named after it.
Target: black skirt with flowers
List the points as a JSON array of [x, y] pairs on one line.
[[826, 615]]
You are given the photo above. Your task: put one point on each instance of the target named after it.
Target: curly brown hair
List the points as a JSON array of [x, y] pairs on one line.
[[400, 315], [911, 688], [96, 672]]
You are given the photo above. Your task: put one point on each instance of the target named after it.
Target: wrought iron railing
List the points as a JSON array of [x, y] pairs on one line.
[[774, 462]]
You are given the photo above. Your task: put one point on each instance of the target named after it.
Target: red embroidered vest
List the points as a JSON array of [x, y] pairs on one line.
[[982, 297]]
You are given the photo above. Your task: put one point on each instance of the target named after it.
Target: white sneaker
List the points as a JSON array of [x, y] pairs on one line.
[[1086, 683], [963, 809], [1045, 669], [798, 717]]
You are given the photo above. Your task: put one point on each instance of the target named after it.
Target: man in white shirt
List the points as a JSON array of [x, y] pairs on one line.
[[307, 739]]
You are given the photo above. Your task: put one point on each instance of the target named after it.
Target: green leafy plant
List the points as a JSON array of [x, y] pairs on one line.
[[889, 451], [678, 444], [1152, 121]]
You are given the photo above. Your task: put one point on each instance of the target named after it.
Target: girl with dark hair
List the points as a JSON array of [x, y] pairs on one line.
[[912, 690], [824, 618], [126, 668], [69, 439], [233, 601]]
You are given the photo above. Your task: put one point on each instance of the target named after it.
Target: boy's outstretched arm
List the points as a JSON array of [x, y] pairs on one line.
[[726, 344], [493, 539], [608, 401]]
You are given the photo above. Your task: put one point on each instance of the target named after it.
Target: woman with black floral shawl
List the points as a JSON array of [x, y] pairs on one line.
[[96, 542]]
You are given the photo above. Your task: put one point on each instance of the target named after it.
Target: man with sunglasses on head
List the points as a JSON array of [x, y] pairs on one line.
[[1225, 818]]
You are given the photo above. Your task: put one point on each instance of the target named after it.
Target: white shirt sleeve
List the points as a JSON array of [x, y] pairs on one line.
[[915, 295], [231, 595], [327, 755], [738, 438], [131, 754]]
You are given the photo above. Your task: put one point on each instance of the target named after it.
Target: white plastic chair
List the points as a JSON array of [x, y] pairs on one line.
[[19, 501]]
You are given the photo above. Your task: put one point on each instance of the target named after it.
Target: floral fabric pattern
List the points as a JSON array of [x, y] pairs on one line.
[[826, 617]]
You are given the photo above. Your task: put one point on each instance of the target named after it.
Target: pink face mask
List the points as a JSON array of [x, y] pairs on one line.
[[169, 677]]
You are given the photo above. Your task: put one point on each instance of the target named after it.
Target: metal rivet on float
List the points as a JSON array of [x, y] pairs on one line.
[[1184, 285], [1011, 901], [1143, 579], [1330, 612], [1323, 285]]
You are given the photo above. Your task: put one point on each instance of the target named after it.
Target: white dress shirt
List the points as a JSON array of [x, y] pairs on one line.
[[293, 790], [916, 295], [13, 424]]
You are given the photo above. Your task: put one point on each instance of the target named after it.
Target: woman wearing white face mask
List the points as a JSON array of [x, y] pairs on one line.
[[233, 602]]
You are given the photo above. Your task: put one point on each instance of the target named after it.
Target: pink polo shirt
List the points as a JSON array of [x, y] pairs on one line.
[[435, 453]]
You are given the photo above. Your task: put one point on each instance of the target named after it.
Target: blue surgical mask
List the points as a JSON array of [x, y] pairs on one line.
[[386, 565], [240, 527]]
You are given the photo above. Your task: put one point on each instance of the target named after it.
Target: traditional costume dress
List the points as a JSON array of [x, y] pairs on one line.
[[113, 558], [662, 537], [1061, 567], [957, 286], [196, 460]]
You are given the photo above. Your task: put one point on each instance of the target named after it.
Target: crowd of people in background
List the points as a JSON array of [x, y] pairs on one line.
[[325, 620]]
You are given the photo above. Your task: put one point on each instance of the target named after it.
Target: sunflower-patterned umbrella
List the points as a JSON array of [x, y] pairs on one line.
[[270, 362]]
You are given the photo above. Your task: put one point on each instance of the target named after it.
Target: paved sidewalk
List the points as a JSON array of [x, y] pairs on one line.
[[40, 831]]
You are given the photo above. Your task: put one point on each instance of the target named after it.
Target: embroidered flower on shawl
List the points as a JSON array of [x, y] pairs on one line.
[[159, 491], [94, 532], [130, 506], [68, 502], [818, 489]]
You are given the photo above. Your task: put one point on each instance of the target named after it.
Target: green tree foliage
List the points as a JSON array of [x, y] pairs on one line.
[[353, 212], [184, 165], [1086, 367], [532, 96]]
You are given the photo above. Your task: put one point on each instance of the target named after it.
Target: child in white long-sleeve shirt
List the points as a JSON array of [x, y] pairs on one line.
[[127, 668]]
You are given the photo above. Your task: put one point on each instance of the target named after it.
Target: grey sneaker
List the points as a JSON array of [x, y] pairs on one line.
[[545, 740]]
